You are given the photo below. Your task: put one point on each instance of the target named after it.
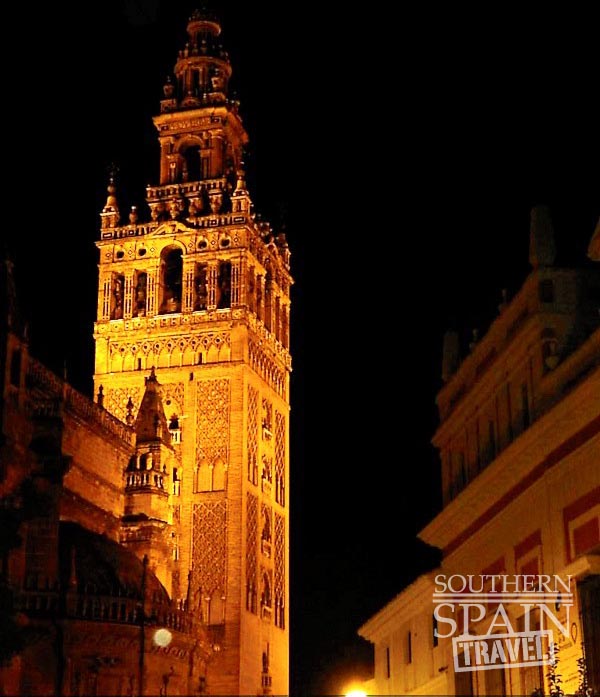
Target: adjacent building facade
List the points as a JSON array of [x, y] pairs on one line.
[[519, 443], [189, 470]]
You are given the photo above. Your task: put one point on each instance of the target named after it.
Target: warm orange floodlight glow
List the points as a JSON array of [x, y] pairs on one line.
[[354, 689]]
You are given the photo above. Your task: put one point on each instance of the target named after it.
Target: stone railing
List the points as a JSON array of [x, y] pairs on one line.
[[127, 610], [157, 193], [56, 391], [36, 602], [105, 608]]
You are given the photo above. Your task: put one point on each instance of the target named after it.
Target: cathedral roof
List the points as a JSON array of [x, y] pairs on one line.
[[101, 566]]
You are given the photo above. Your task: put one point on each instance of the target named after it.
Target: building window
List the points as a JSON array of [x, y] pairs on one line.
[[409, 647], [509, 411], [525, 406], [141, 286], [491, 449], [224, 286], [171, 270], [191, 164], [265, 598], [387, 662], [434, 635], [279, 612], [118, 299], [175, 430], [461, 474], [201, 288], [176, 483]]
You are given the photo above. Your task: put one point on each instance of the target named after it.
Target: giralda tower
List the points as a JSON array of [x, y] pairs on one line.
[[201, 294]]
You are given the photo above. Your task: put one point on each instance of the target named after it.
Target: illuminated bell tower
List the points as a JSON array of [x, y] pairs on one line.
[[201, 293]]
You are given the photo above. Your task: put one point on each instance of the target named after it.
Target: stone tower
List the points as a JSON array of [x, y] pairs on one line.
[[200, 296]]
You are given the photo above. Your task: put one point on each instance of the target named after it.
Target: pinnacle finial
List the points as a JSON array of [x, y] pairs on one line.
[[152, 377], [129, 417], [110, 212]]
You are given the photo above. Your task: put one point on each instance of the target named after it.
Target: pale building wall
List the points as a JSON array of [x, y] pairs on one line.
[[519, 440]]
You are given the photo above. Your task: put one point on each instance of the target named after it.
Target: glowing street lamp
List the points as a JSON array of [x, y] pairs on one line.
[[162, 637]]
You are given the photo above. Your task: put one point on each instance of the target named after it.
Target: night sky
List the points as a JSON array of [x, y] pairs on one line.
[[402, 152]]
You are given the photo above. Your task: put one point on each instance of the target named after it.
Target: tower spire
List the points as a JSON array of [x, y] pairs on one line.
[[201, 134], [203, 70], [202, 292]]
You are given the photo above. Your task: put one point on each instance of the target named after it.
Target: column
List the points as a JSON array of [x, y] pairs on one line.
[[216, 153], [128, 300], [236, 286], [104, 299], [211, 274], [188, 287], [269, 292], [152, 291], [277, 319]]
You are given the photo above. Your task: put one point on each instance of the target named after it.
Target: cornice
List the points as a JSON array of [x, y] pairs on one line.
[[517, 462]]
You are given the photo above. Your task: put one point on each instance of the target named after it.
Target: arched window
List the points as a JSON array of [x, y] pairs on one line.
[[216, 608], [218, 483], [201, 287], [265, 598], [118, 300], [171, 271], [191, 164], [224, 285], [266, 531], [204, 476], [141, 283]]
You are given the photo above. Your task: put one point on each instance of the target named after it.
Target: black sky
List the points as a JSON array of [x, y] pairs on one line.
[[403, 150]]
